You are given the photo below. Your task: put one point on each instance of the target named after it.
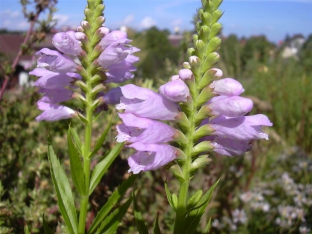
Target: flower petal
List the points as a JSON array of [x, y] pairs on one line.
[[53, 112], [150, 156]]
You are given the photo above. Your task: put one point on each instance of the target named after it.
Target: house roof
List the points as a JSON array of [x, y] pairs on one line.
[[10, 44]]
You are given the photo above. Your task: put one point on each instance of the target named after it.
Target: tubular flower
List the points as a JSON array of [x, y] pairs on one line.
[[145, 103], [58, 72], [150, 156], [136, 129]]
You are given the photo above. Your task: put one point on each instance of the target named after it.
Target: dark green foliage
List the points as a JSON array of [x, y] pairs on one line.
[[157, 49]]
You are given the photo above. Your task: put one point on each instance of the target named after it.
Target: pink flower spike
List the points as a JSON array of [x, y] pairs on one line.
[[176, 91], [227, 87], [150, 156], [145, 103], [67, 43], [53, 112], [54, 61], [136, 129], [230, 106]]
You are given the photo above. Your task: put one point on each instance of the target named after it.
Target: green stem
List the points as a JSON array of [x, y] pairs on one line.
[[181, 212], [86, 160]]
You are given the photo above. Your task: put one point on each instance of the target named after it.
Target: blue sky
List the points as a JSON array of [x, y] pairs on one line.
[[273, 18]]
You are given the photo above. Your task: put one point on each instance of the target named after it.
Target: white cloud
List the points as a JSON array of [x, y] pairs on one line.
[[128, 20], [61, 19], [177, 22], [147, 22]]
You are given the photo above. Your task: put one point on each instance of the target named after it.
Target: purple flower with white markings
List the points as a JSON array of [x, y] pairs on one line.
[[145, 103], [54, 112], [150, 156], [136, 129]]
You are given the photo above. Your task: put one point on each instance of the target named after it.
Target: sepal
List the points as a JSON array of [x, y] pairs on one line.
[[97, 89], [210, 60], [207, 78], [199, 162], [176, 170], [179, 137], [202, 147], [202, 131], [191, 52], [183, 122], [215, 30], [213, 45], [216, 15], [203, 113], [204, 96]]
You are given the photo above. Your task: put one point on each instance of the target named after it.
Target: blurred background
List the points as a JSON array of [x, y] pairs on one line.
[[266, 45]]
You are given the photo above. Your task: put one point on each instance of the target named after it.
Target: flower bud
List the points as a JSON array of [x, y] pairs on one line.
[[175, 90], [185, 74]]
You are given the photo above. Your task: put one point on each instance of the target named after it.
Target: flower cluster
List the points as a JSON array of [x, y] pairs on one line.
[[58, 71], [142, 110], [231, 131]]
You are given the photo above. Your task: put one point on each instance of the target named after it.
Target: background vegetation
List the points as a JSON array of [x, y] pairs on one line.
[[267, 190]]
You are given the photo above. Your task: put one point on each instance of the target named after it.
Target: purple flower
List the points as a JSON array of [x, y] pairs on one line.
[[53, 112], [244, 128], [230, 106], [150, 156], [227, 87], [122, 71], [230, 147], [54, 61], [176, 91], [55, 95], [146, 103], [113, 37], [51, 80], [136, 129], [67, 43]]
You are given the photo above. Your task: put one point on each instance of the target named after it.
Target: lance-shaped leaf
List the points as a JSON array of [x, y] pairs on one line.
[[193, 218], [139, 222], [76, 168], [26, 230], [46, 228], [156, 228], [76, 140], [112, 201], [100, 141], [102, 166], [64, 194], [110, 224], [169, 196], [208, 227]]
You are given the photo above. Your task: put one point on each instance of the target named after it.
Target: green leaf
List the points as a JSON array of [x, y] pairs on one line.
[[207, 228], [100, 141], [46, 228], [139, 222], [169, 196], [64, 194], [76, 140], [102, 166], [174, 201], [110, 224], [193, 219], [114, 198], [194, 199], [76, 168], [26, 230], [156, 226]]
